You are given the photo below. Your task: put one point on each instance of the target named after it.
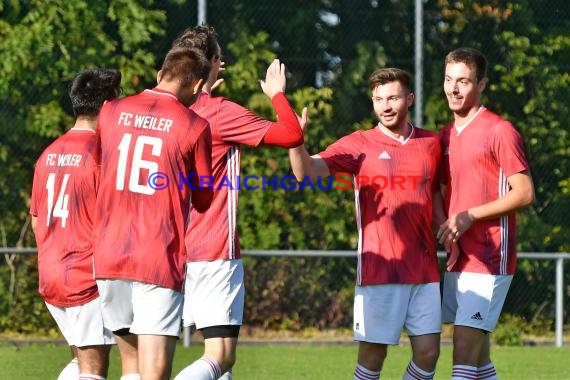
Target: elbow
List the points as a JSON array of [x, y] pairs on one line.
[[294, 141], [529, 198]]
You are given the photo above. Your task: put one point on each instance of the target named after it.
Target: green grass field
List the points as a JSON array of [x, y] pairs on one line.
[[297, 361]]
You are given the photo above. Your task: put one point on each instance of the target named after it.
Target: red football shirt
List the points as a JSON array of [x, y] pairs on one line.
[[139, 227], [394, 182], [213, 235], [476, 164], [63, 200]]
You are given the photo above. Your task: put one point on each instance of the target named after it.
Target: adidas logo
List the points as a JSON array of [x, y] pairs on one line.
[[384, 156], [477, 316]]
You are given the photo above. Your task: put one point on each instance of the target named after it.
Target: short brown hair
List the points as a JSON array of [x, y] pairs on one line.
[[187, 65], [473, 58], [390, 74], [201, 37]]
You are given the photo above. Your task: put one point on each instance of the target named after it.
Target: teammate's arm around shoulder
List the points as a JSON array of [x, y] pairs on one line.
[[286, 133], [202, 197]]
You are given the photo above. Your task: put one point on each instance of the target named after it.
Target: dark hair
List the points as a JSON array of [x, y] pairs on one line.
[[90, 88], [187, 65], [202, 37], [473, 58], [390, 74]]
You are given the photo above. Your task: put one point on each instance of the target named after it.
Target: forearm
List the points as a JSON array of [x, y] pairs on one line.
[[520, 195], [301, 163], [512, 201], [438, 211], [286, 132]]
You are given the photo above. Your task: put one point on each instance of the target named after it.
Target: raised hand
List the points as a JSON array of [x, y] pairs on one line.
[[303, 119], [275, 80]]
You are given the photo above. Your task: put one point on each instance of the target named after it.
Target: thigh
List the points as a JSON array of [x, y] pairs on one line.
[[449, 298], [157, 310], [380, 312], [88, 326], [94, 359], [424, 310], [60, 316], [480, 299], [214, 294], [155, 353], [82, 325], [116, 303]]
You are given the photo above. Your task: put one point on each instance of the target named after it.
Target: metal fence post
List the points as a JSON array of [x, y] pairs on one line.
[[559, 301], [187, 336]]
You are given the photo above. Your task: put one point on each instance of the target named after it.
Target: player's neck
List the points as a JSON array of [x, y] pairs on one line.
[[400, 133], [85, 123], [463, 118]]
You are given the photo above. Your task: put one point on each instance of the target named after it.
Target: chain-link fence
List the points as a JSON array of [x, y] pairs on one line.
[[325, 44]]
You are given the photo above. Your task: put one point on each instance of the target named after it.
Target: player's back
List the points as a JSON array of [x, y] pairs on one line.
[[63, 200], [213, 235], [147, 142]]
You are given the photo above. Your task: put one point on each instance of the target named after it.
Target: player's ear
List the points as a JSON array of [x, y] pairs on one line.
[[198, 86], [482, 84], [410, 99], [158, 76]]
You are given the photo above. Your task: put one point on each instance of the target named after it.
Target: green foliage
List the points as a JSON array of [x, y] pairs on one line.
[[328, 60], [508, 333]]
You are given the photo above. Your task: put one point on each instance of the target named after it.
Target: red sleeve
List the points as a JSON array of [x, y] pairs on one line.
[[444, 161], [436, 181], [35, 191], [344, 155], [285, 133], [508, 149]]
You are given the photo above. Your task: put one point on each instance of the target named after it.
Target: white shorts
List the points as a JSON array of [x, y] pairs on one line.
[[145, 309], [82, 325], [474, 299], [382, 311], [214, 293]]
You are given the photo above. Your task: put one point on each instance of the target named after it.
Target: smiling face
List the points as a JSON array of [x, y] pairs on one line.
[[462, 89], [391, 102]]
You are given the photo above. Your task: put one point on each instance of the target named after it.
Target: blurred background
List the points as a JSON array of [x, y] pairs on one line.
[[330, 47]]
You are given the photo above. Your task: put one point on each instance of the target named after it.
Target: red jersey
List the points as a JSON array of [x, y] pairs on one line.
[[63, 200], [147, 140], [476, 164], [394, 182], [213, 235]]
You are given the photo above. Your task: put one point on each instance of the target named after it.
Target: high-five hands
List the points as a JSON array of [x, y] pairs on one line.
[[303, 119], [275, 80]]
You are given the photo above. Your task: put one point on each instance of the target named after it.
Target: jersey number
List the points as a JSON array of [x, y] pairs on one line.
[[137, 162], [60, 210]]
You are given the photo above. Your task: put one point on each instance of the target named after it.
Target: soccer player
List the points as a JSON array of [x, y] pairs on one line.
[[214, 288], [487, 178], [395, 168], [62, 208], [154, 150]]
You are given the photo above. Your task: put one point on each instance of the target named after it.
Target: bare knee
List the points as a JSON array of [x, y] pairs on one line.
[[371, 355], [467, 345], [426, 357]]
